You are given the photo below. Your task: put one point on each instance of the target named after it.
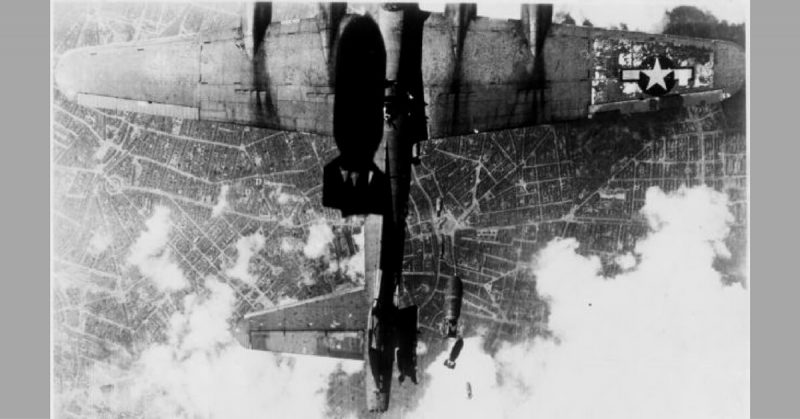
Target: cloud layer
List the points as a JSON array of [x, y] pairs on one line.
[[201, 372], [665, 339]]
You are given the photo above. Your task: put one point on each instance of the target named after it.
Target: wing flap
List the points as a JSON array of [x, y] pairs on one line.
[[127, 105]]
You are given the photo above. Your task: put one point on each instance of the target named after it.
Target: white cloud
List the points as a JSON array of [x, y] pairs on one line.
[[152, 257], [664, 340], [201, 372], [246, 248], [446, 394], [320, 237], [222, 201], [99, 242]]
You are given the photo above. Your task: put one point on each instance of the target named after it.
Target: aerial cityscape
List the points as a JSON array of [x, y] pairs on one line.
[[480, 205]]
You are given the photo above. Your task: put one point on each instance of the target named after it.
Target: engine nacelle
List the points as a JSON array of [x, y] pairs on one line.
[[353, 183]]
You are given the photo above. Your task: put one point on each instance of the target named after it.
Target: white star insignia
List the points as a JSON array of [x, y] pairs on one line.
[[656, 75]]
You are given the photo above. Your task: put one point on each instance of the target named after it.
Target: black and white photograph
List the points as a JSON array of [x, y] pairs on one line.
[[400, 210]]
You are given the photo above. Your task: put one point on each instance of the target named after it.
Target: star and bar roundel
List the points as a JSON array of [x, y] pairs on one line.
[[658, 75]]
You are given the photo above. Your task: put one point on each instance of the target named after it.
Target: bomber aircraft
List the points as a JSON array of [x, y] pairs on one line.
[[381, 78]]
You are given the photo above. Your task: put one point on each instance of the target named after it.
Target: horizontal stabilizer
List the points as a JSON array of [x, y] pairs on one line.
[[342, 311], [333, 325]]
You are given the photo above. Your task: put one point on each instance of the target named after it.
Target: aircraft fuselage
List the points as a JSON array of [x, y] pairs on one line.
[[392, 326]]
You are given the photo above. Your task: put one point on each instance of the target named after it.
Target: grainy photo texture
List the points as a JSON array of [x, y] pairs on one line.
[[273, 210]]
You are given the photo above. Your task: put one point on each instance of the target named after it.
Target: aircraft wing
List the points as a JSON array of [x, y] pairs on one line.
[[478, 73], [492, 78], [281, 83], [333, 326]]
